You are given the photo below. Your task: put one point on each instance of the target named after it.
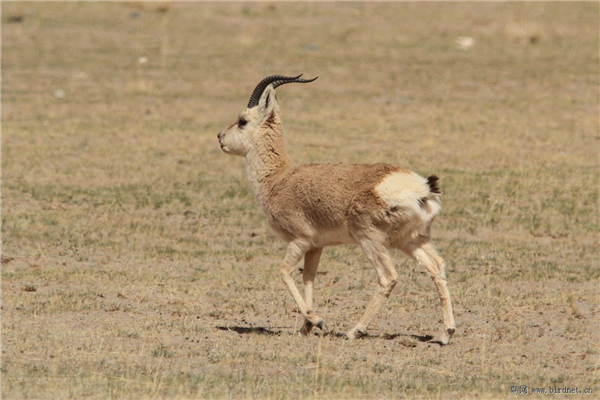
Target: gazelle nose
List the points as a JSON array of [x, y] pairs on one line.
[[219, 135]]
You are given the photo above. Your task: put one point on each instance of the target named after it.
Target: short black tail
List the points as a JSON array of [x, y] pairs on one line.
[[432, 182]]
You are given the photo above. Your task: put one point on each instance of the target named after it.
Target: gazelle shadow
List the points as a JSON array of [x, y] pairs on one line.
[[420, 338], [387, 336], [258, 330]]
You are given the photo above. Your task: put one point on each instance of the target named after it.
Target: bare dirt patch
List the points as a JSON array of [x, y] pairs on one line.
[[136, 263]]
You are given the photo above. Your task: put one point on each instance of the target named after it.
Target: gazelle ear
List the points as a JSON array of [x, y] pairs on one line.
[[268, 101]]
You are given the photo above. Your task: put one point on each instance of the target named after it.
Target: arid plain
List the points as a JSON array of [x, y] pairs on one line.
[[137, 264]]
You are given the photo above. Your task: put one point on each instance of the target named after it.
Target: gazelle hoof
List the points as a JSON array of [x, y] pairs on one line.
[[306, 328], [313, 319], [355, 334], [446, 335], [320, 324]]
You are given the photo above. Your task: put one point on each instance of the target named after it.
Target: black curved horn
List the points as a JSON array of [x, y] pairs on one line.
[[296, 80], [276, 80]]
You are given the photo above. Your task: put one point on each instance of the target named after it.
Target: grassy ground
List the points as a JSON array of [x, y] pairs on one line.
[[136, 263]]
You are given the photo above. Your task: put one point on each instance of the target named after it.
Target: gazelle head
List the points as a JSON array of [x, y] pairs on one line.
[[239, 137]]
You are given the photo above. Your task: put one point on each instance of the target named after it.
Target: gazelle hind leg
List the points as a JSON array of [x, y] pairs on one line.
[[425, 254], [294, 254], [387, 278], [311, 264]]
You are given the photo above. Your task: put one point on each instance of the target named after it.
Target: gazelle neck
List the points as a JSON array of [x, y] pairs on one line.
[[268, 158]]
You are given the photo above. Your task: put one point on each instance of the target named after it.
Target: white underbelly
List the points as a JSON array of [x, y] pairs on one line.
[[329, 238]]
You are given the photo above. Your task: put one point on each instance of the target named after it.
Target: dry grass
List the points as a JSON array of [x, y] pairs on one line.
[[131, 243]]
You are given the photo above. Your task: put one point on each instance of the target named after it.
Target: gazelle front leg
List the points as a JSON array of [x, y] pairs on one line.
[[294, 254], [311, 264]]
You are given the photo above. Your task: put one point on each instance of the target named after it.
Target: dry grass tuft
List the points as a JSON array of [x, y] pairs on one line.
[[130, 241]]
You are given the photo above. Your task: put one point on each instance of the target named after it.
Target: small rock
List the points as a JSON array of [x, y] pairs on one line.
[[6, 259], [15, 19], [465, 42], [29, 288]]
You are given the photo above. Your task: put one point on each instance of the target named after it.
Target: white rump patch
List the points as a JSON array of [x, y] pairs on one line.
[[406, 192]]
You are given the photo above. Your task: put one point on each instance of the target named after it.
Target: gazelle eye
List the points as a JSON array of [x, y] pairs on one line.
[[242, 122]]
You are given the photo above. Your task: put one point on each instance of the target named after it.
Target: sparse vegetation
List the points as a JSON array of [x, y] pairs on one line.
[[130, 240]]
